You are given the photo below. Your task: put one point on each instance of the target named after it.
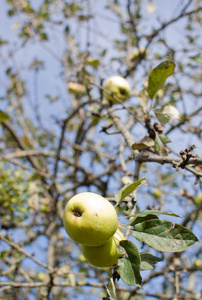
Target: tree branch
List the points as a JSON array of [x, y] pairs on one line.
[[21, 250], [144, 156]]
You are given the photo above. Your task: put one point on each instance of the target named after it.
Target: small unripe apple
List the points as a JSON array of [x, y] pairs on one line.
[[137, 52], [120, 88], [157, 193], [198, 199], [105, 255], [90, 219], [41, 276], [198, 262], [76, 88]]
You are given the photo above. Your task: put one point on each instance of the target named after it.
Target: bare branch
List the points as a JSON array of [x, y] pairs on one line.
[[21, 250]]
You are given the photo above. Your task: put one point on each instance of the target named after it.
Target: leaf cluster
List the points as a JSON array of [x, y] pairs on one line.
[[161, 235]]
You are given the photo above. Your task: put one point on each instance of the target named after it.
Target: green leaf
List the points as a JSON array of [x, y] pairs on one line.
[[164, 139], [93, 62], [145, 215], [3, 116], [11, 12], [164, 235], [111, 289], [159, 146], [167, 113], [43, 36], [36, 65], [148, 261], [158, 76], [127, 189], [52, 98], [143, 219], [129, 267], [3, 42], [158, 143], [197, 58]]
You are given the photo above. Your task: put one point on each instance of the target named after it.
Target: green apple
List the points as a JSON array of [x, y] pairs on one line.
[[157, 193], [105, 255], [198, 199], [41, 276], [76, 88], [120, 88], [90, 219], [137, 52], [198, 262]]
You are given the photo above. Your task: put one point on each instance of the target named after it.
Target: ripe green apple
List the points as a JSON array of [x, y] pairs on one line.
[[120, 88], [105, 255], [90, 219]]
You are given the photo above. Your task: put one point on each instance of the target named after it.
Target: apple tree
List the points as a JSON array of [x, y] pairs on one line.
[[102, 97]]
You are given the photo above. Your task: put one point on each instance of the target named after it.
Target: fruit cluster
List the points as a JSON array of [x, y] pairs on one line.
[[91, 220], [116, 89]]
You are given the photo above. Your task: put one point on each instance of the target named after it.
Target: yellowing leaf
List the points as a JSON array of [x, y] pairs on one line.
[[143, 97], [143, 144], [167, 113], [33, 201], [126, 179]]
